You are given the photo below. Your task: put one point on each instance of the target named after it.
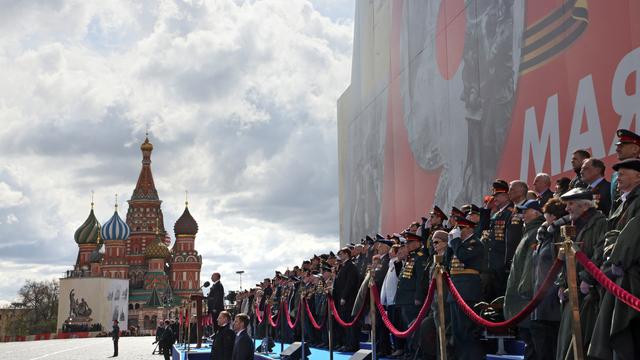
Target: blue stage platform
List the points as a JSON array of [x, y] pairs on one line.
[[204, 353]]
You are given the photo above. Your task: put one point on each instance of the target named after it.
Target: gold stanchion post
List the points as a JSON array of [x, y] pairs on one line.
[[441, 316], [568, 233], [372, 315]]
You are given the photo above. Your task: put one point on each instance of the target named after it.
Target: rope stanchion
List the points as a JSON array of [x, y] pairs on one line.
[[415, 324], [312, 320], [341, 322], [273, 323], [620, 293], [292, 325], [542, 291], [258, 317]]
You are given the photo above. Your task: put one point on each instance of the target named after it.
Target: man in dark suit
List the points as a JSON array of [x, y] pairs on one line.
[[542, 185], [593, 174], [224, 339], [166, 340], [243, 345], [345, 289], [578, 157], [215, 299], [115, 336]]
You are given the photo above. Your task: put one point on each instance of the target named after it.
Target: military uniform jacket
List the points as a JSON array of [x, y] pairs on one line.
[[411, 275], [497, 237], [466, 254], [520, 283]]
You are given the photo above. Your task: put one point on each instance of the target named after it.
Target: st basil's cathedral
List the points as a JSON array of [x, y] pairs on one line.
[[160, 278]]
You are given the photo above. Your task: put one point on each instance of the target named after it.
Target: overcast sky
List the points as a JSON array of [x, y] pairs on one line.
[[240, 101]]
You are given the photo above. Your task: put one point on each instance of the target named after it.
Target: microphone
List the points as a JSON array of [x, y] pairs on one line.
[[206, 284]]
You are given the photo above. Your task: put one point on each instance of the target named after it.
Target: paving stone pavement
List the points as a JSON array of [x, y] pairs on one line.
[[130, 348]]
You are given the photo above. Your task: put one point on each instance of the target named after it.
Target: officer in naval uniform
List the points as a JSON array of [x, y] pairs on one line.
[[627, 147]]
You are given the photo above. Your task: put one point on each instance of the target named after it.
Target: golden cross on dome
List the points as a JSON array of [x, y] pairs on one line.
[[91, 199], [116, 202], [186, 198]]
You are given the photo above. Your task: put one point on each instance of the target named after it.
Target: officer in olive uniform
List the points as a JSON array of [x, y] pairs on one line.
[[435, 222], [408, 297], [494, 243], [465, 262]]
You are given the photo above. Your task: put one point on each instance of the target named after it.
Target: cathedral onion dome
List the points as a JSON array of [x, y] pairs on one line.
[[115, 229], [185, 225], [96, 255], [146, 145], [88, 232], [157, 250]]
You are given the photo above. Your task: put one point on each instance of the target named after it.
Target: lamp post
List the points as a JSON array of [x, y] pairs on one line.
[[240, 272]]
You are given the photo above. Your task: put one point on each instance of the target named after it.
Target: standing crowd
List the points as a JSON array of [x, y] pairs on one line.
[[497, 255]]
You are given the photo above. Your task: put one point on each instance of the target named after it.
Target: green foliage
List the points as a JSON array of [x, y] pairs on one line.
[[39, 301]]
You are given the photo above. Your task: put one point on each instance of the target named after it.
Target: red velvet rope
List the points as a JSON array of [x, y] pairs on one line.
[[288, 316], [414, 325], [542, 291], [337, 316], [258, 317], [273, 322], [620, 293], [311, 318]]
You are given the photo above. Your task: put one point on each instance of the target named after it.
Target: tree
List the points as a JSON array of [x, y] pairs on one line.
[[40, 301]]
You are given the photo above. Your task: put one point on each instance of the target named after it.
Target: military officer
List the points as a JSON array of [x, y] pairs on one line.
[[627, 147], [465, 263], [408, 297], [435, 222], [497, 214]]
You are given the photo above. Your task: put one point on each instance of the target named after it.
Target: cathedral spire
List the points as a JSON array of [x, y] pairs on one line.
[[145, 187]]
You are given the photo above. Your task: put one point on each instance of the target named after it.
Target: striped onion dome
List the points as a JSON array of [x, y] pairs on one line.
[[115, 229], [88, 232]]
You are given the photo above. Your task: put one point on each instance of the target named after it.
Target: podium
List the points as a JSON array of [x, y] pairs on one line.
[[198, 299]]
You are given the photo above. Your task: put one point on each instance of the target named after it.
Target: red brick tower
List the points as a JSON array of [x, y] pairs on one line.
[[144, 211], [185, 261]]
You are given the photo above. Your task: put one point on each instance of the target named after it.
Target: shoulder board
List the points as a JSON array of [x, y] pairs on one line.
[[420, 253]]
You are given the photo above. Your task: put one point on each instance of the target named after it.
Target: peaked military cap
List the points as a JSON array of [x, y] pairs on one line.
[[577, 194], [437, 211], [331, 254], [633, 164], [627, 137], [500, 186], [379, 237], [369, 240], [463, 221], [456, 212], [385, 242], [412, 236], [470, 209]]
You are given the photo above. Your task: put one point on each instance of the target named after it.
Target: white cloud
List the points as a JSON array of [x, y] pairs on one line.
[[240, 99]]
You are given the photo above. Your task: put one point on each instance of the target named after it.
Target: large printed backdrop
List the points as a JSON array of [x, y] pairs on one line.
[[445, 96]]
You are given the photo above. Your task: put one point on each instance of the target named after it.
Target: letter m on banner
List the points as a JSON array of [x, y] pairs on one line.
[[536, 143]]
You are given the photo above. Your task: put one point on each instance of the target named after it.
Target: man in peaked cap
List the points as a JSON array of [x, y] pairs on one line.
[[455, 212], [627, 147], [408, 297], [429, 226], [465, 261], [496, 214]]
